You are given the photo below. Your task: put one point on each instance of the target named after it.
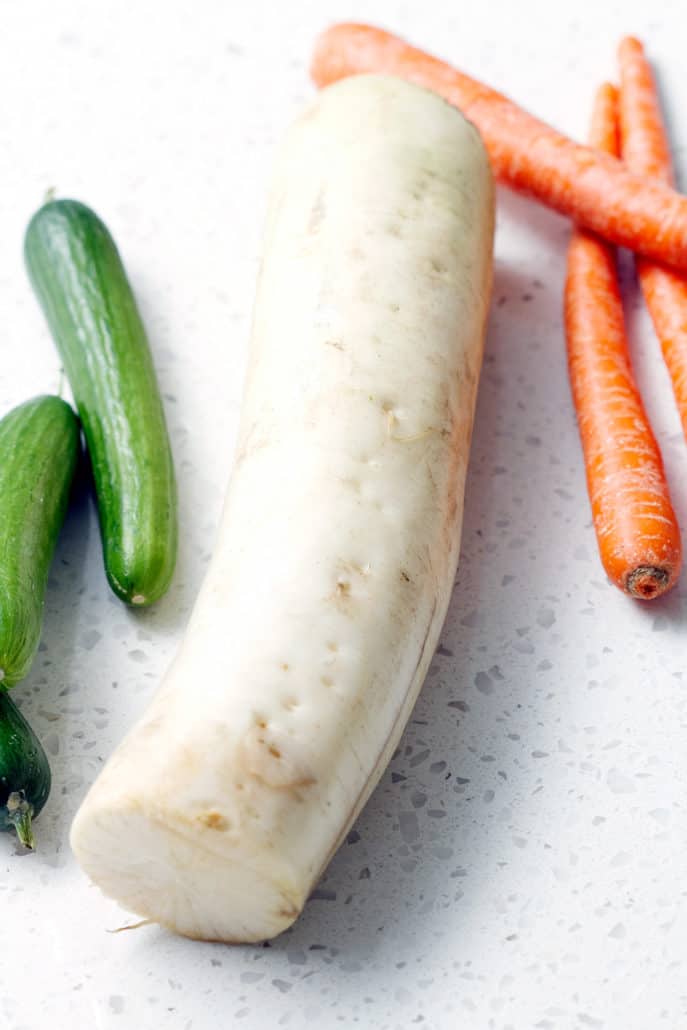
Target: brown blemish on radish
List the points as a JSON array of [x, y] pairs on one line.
[[214, 820], [268, 755]]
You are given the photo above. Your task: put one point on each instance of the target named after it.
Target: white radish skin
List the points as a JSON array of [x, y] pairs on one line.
[[339, 541]]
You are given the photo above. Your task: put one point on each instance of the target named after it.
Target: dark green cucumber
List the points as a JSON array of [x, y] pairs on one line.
[[24, 772], [81, 284], [39, 446]]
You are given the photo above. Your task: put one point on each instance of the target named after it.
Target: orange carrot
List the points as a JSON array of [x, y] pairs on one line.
[[646, 150], [636, 529], [594, 189]]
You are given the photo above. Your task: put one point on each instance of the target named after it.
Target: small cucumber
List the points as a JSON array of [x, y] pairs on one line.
[[39, 446], [24, 772], [82, 286]]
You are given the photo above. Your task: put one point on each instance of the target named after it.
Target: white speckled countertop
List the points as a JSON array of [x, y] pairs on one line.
[[521, 864]]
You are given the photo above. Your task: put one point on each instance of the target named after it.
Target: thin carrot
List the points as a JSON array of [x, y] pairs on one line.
[[594, 189], [636, 529], [646, 150]]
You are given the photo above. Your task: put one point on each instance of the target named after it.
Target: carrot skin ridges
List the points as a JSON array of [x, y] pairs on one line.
[[594, 189], [644, 141], [646, 150], [636, 528]]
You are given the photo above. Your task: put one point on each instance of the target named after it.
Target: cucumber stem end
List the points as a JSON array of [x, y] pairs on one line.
[[19, 812]]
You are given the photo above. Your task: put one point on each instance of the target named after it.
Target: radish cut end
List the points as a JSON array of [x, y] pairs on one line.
[[179, 875]]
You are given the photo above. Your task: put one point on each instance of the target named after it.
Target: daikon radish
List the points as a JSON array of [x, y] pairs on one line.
[[339, 541]]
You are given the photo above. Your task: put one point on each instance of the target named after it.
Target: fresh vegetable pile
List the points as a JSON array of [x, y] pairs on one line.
[[79, 278], [631, 203], [340, 536]]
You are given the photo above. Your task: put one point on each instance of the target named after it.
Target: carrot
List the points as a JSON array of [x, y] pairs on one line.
[[636, 529], [594, 189], [646, 150]]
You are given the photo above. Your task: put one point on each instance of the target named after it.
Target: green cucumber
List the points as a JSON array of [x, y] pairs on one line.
[[82, 286], [24, 772], [39, 446]]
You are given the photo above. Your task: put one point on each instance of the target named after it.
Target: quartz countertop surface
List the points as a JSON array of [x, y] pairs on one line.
[[522, 863]]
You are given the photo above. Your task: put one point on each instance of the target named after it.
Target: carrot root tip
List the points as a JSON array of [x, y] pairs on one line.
[[647, 582]]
